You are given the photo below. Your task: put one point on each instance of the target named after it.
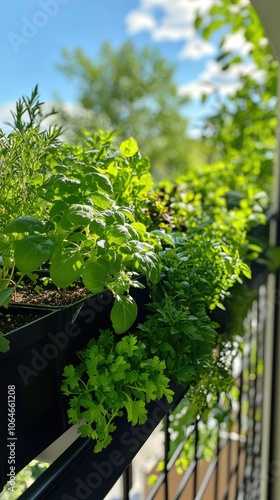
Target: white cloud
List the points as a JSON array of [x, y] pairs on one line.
[[175, 24], [5, 113], [138, 21], [171, 33], [237, 42], [184, 5], [196, 49], [173, 21], [214, 79]]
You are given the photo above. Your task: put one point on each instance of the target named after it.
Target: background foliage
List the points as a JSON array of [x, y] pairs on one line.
[[132, 91]]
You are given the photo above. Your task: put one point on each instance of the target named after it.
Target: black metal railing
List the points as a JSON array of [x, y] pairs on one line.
[[234, 470]]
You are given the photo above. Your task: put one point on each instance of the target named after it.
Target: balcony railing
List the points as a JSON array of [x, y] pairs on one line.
[[232, 472]]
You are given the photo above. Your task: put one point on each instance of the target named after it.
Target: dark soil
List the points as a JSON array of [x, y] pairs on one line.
[[47, 296], [9, 322], [26, 294]]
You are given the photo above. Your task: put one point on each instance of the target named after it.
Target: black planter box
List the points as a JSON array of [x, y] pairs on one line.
[[34, 365], [81, 473]]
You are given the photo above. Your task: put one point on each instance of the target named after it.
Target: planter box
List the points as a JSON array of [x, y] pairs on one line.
[[34, 365], [81, 473]]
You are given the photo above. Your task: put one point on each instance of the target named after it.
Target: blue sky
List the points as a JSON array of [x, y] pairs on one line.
[[33, 33]]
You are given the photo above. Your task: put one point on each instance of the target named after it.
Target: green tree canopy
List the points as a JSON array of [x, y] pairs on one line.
[[133, 92], [242, 130]]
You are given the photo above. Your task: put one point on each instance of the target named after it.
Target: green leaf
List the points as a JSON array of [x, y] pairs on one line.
[[65, 267], [60, 185], [25, 224], [58, 208], [127, 345], [246, 270], [97, 226], [101, 200], [197, 22], [5, 295], [117, 234], [127, 212], [72, 376], [164, 237], [79, 214], [140, 228], [129, 147], [136, 412], [31, 252], [148, 263], [4, 343], [94, 276], [124, 313], [36, 179], [103, 183], [102, 444]]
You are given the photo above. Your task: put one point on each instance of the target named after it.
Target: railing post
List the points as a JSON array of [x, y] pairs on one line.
[[269, 12], [270, 473], [127, 482]]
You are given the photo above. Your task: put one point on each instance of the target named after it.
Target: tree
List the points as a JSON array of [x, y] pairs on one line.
[[243, 128], [133, 92]]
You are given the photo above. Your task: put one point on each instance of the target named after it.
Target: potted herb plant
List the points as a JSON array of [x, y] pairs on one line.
[[84, 229]]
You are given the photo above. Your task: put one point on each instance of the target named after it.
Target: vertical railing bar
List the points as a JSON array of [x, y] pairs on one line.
[[271, 407], [127, 482], [248, 439], [257, 399], [195, 457], [251, 410], [239, 424], [269, 335], [187, 476], [229, 441], [227, 444], [261, 355], [211, 470], [166, 453], [189, 472], [218, 462], [233, 472], [170, 465]]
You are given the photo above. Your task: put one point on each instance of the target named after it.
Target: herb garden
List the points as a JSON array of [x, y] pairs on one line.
[[144, 274], [125, 301]]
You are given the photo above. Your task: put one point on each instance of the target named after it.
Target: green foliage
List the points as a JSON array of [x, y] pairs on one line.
[[112, 379], [235, 17], [220, 199], [143, 102], [124, 313], [196, 276], [24, 155], [235, 131], [88, 223], [24, 479]]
